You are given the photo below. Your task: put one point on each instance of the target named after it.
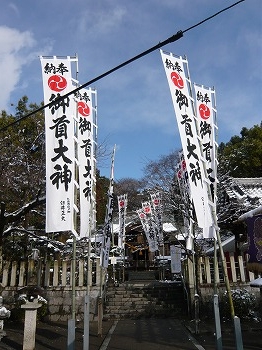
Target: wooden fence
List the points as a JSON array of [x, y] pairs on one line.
[[49, 274], [236, 270], [59, 272]]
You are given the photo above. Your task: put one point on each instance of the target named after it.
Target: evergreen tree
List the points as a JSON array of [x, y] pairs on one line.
[[242, 155], [22, 159]]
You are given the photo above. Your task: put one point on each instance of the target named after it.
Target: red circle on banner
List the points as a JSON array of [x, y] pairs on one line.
[[147, 210], [204, 111], [57, 83], [184, 165], [83, 109], [156, 201], [177, 80], [142, 216], [121, 204], [179, 175]]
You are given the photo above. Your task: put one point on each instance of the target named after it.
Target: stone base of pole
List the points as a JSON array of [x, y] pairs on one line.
[[2, 332], [30, 323]]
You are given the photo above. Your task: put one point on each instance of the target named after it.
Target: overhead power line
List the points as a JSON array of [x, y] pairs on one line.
[[171, 39]]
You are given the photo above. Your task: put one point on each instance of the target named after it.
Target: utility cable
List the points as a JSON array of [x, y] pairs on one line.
[[171, 39]]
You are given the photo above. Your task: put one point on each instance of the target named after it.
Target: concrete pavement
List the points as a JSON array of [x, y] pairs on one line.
[[136, 334], [167, 334], [149, 334], [124, 334]]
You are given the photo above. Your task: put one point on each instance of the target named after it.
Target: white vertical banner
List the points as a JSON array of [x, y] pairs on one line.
[[177, 72], [207, 129], [86, 159], [60, 154], [146, 217], [122, 205], [104, 258], [206, 119], [175, 253], [156, 200], [150, 234]]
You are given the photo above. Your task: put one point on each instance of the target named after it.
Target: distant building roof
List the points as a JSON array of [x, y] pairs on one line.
[[245, 188], [169, 227], [228, 246], [240, 195]]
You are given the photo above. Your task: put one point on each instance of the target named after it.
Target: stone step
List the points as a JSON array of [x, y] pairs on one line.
[[145, 299], [141, 275]]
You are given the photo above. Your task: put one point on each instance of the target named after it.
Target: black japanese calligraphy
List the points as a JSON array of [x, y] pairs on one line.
[[174, 66], [84, 125], [205, 129], [61, 176], [182, 100], [191, 148], [61, 103], [195, 172], [60, 151], [60, 68], [203, 98], [60, 126], [186, 121]]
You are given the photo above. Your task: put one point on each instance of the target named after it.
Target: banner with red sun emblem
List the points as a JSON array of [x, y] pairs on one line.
[[59, 131], [207, 129], [122, 206], [86, 115], [156, 200], [177, 72], [149, 225], [150, 234]]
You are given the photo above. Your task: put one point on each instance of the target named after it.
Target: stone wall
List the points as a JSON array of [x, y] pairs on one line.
[[59, 301]]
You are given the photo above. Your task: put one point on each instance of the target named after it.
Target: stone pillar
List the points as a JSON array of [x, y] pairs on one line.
[[30, 323]]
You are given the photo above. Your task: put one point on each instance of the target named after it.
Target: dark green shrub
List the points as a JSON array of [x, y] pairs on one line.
[[244, 303]]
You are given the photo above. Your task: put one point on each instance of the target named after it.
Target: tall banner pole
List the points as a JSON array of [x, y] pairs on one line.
[[122, 206], [104, 256], [61, 187], [204, 98], [108, 218], [86, 145], [177, 73], [86, 127], [207, 129]]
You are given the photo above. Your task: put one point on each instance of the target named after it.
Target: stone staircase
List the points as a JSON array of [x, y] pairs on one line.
[[142, 298]]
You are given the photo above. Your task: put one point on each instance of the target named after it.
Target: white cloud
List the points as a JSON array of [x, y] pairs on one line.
[[14, 47], [100, 22], [14, 8]]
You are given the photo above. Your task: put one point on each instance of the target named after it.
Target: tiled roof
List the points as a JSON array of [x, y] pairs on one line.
[[243, 188]]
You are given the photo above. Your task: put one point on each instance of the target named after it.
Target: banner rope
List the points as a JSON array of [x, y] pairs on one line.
[[171, 39]]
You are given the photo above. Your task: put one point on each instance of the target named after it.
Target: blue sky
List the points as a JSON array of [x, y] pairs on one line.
[[135, 110]]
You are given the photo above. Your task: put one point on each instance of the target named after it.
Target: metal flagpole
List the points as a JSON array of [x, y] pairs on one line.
[[212, 202], [91, 222], [214, 214], [106, 242], [71, 322], [87, 296]]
